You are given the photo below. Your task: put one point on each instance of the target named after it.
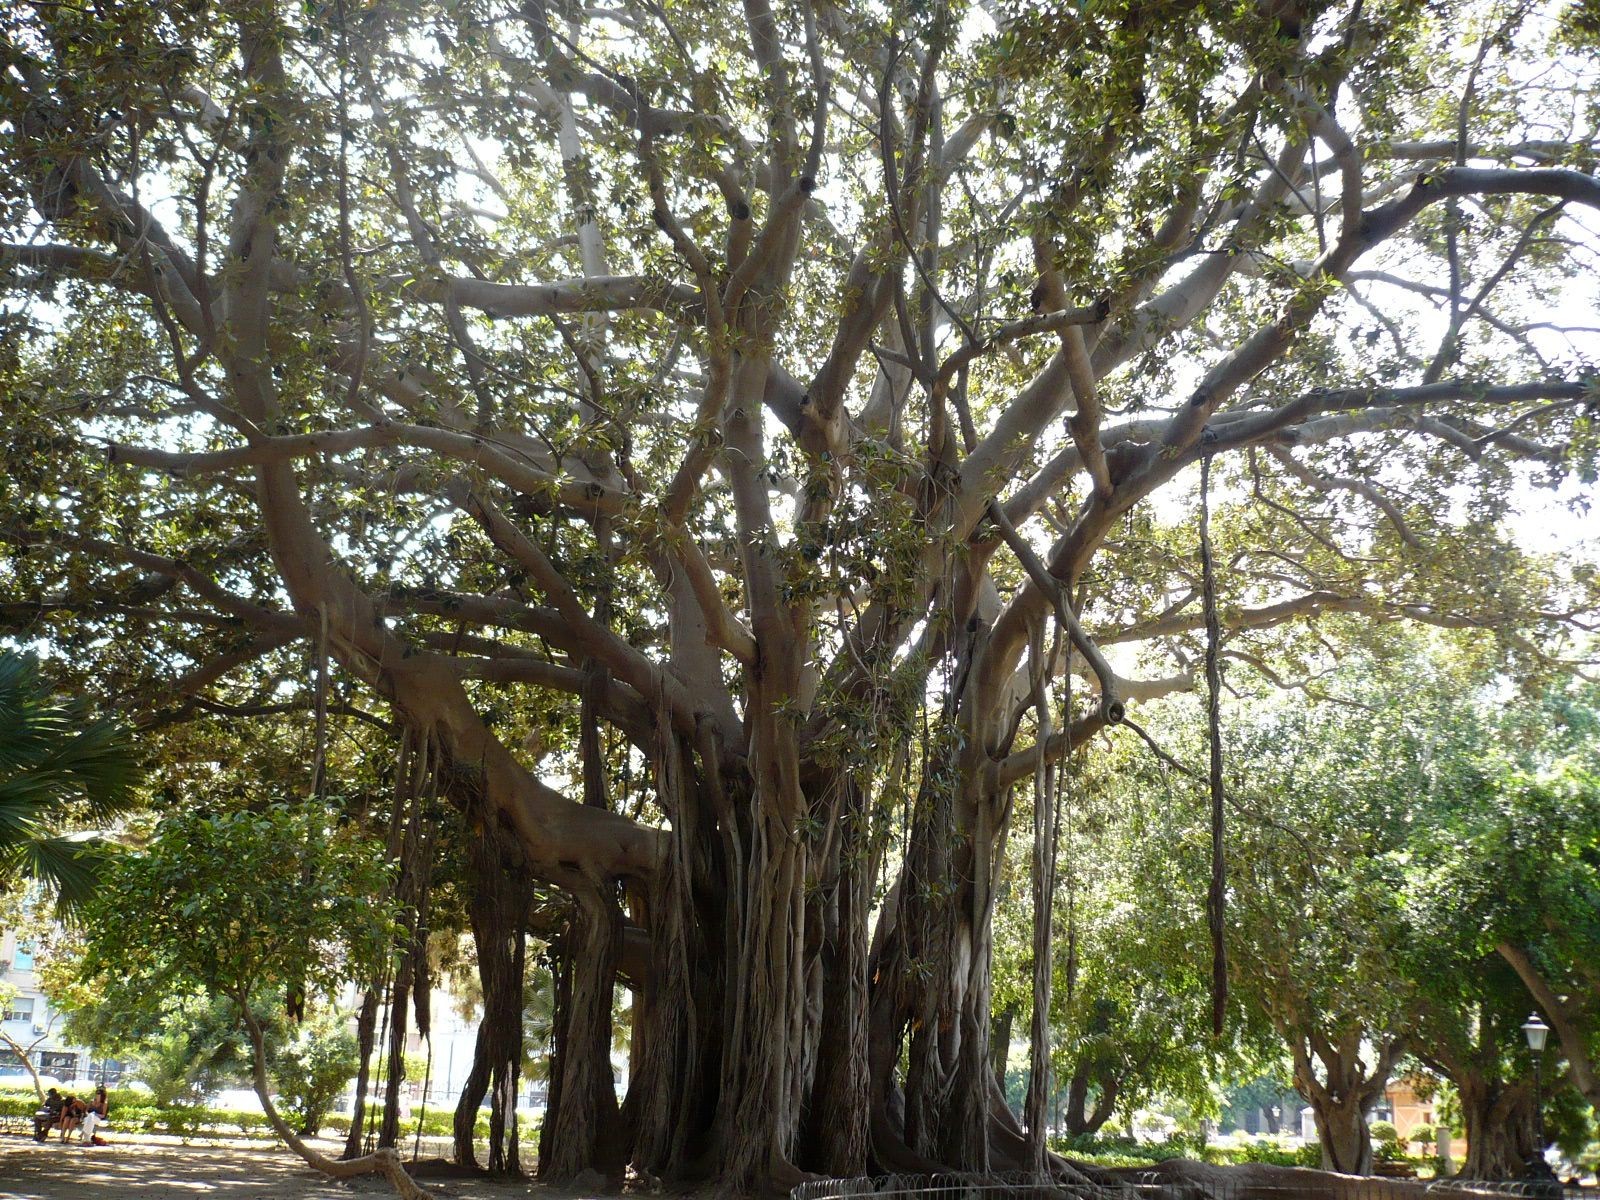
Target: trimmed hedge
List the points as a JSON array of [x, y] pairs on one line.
[[132, 1112], [1126, 1152]]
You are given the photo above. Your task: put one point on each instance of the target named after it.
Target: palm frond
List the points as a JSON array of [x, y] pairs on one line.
[[65, 864], [58, 767]]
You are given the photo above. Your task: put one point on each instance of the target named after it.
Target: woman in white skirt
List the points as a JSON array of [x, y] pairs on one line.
[[95, 1117]]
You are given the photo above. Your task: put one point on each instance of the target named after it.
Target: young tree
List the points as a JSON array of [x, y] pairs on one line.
[[245, 907], [760, 382], [184, 1047], [23, 1051]]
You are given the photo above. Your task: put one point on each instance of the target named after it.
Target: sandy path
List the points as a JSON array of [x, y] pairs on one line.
[[140, 1171]]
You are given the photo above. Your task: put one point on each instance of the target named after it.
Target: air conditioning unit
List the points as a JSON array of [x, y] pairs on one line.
[[37, 1029]]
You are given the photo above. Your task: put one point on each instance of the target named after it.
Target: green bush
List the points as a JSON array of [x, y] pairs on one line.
[[1383, 1132], [1424, 1135], [1126, 1152], [438, 1121], [1260, 1151], [1122, 1151], [1391, 1152], [135, 1112], [312, 1068]]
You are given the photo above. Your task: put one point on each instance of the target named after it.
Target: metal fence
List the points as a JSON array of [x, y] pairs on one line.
[[1210, 1184]]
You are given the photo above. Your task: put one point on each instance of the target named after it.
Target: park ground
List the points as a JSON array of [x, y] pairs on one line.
[[144, 1171]]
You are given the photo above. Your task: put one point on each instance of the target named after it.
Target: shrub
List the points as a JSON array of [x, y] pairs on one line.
[[312, 1067], [1106, 1151], [1383, 1132], [136, 1112], [1263, 1151]]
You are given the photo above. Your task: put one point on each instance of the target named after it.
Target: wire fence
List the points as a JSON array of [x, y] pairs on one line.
[[1216, 1184]]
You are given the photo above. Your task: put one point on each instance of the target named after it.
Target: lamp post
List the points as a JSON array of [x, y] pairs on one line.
[[1538, 1171]]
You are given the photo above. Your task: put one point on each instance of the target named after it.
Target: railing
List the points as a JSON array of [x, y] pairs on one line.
[[1213, 1184], [1527, 1189]]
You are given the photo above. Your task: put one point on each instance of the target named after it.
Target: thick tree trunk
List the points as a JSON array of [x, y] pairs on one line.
[[931, 972], [757, 1121], [1043, 887], [669, 1105], [1075, 1119], [1343, 1134], [1343, 1093], [498, 911], [1000, 1043], [1079, 1118], [837, 1117], [1498, 1118], [581, 1130]]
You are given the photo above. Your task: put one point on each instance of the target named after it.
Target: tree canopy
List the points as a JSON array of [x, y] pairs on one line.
[[733, 448]]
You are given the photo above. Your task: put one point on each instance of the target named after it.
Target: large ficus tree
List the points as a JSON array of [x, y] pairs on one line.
[[784, 390]]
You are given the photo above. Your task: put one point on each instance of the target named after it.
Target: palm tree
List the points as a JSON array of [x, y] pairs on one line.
[[61, 772]]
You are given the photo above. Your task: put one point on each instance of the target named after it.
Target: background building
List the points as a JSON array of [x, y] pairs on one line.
[[31, 1023]]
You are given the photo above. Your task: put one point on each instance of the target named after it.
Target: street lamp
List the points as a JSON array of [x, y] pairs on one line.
[[1536, 1031]]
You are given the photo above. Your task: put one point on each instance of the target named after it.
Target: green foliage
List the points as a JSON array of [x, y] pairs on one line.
[[134, 1111], [1104, 1151], [1261, 1093], [1263, 1151], [312, 1066], [1379, 847], [196, 1049], [233, 903], [1111, 1151], [1077, 134], [234, 908]]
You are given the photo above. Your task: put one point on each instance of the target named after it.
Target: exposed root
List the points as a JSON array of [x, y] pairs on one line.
[[385, 1161], [1263, 1181]]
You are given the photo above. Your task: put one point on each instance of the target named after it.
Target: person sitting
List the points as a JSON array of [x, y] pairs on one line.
[[72, 1114], [98, 1107], [49, 1113]]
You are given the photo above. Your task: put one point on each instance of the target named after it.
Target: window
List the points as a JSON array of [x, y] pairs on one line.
[[21, 1009], [23, 959], [60, 1063]]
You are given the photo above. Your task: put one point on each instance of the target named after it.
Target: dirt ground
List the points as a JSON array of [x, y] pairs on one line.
[[140, 1171]]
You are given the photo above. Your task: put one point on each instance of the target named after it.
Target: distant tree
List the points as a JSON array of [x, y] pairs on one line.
[[1276, 1101], [1503, 879], [24, 1051]]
